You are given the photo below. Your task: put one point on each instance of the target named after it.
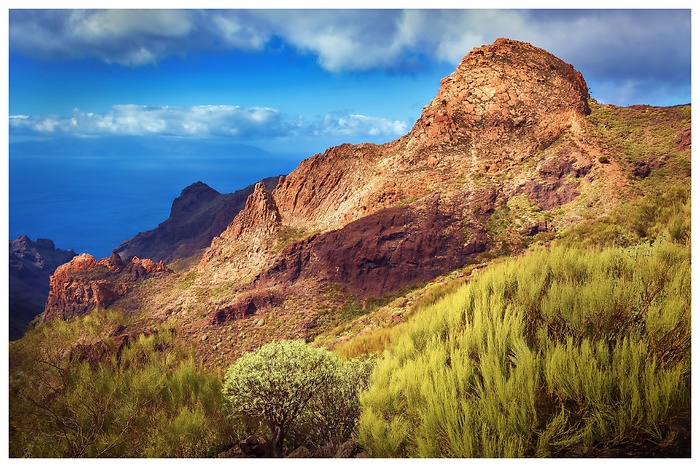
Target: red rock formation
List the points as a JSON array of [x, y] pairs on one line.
[[84, 283], [392, 215], [508, 89], [245, 242], [504, 103]]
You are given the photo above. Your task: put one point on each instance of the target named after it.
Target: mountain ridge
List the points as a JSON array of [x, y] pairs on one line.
[[507, 154]]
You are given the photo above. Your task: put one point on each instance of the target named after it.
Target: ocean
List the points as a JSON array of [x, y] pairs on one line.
[[89, 195]]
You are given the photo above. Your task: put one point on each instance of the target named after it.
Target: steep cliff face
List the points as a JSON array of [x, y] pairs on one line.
[[243, 247], [198, 215], [31, 265], [504, 103], [84, 283]]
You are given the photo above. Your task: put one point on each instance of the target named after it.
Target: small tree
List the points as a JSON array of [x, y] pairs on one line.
[[276, 383]]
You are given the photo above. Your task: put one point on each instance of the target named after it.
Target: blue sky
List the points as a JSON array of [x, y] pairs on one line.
[[304, 79]]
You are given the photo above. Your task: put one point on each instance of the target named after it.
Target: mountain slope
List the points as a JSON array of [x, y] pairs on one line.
[[31, 265], [510, 152], [518, 222]]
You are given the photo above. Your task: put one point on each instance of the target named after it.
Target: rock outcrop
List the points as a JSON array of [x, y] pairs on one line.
[[373, 207], [31, 265], [245, 243], [198, 215], [509, 93], [504, 103], [84, 283]]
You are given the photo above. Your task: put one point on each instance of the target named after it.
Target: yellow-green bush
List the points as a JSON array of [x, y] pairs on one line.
[[151, 400], [559, 348]]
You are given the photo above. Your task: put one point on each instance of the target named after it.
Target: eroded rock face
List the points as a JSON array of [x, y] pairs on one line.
[[329, 190], [198, 215], [84, 283], [504, 102], [380, 253], [245, 242]]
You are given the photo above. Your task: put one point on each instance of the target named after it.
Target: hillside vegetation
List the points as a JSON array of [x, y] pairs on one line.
[[562, 350]]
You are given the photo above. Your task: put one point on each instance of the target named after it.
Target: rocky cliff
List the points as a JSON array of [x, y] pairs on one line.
[[84, 283], [504, 103], [198, 215], [385, 216], [31, 265]]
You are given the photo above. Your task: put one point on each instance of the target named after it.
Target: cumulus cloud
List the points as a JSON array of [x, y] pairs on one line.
[[243, 123], [351, 125], [616, 45]]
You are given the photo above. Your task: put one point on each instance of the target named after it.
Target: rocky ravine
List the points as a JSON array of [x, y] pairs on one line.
[[503, 153]]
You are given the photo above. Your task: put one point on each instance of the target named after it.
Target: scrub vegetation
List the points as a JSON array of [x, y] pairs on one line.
[[581, 345], [560, 348]]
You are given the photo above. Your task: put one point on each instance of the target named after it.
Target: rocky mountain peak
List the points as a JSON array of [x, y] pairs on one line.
[[249, 235], [198, 215], [191, 198], [260, 211], [503, 103], [508, 89]]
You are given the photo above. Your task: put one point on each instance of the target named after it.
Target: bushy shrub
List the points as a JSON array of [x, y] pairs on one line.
[[151, 401], [276, 383], [332, 413], [299, 392], [561, 348]]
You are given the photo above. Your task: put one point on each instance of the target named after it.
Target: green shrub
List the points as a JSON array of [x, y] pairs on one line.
[[276, 383], [332, 413], [556, 349], [303, 394]]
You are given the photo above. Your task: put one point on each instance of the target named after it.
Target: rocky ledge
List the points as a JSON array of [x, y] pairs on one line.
[[84, 283]]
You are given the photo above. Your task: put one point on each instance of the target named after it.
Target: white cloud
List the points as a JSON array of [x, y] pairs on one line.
[[206, 121], [652, 46], [342, 124]]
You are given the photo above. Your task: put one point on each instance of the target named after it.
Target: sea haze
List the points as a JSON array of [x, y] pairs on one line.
[[90, 194]]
